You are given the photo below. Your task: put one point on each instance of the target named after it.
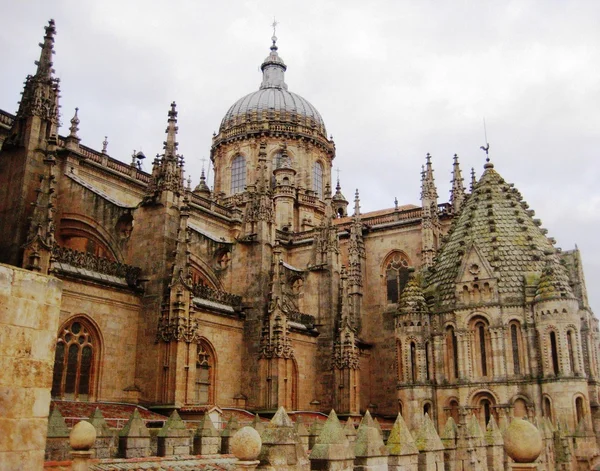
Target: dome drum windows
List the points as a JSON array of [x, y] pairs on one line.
[[238, 174], [318, 179]]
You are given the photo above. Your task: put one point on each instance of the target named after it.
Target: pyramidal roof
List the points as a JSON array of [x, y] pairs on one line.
[[496, 225]]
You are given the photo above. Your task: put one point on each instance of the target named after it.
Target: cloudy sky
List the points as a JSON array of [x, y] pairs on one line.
[[393, 80]]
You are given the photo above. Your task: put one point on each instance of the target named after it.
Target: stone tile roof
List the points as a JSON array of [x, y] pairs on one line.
[[497, 221], [412, 299]]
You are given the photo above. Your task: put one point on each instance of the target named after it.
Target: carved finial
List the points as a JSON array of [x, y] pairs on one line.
[[74, 125], [473, 181], [104, 144], [45, 63], [457, 192], [395, 203], [170, 145], [356, 203], [274, 37]]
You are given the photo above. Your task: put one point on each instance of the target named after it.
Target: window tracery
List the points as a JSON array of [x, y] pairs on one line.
[[396, 275], [205, 363], [77, 349]]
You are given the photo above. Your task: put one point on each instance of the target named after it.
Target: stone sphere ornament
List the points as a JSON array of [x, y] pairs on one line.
[[522, 441], [83, 436], [246, 443]]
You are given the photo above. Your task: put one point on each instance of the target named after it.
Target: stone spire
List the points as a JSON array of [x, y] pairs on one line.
[[105, 145], [473, 180], [167, 171], [457, 193], [73, 138], [39, 99], [428, 188], [430, 224], [273, 68], [74, 125], [356, 256]]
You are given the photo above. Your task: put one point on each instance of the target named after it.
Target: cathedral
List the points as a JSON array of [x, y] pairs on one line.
[[274, 289]]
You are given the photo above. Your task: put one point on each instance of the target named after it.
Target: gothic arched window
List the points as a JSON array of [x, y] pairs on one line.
[[75, 359], [481, 347], [205, 370], [396, 276], [318, 179], [238, 174]]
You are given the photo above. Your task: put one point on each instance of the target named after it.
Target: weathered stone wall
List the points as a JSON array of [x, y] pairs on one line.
[[115, 313], [29, 313]]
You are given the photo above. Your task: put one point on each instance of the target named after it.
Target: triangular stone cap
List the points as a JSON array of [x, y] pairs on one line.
[[281, 419], [135, 426], [316, 427], [427, 439], [493, 435], [258, 424], [231, 427], [206, 428], [349, 428], [57, 427], [474, 428], [401, 442], [300, 428], [280, 431], [368, 439], [97, 420], [450, 431], [173, 423], [332, 443]]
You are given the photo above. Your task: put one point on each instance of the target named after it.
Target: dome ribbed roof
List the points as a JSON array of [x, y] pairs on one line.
[[496, 220], [273, 102]]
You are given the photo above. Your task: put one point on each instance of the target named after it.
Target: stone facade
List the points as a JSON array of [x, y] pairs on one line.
[[268, 292], [30, 305]]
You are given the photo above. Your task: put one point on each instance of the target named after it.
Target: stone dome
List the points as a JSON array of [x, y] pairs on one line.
[[273, 102]]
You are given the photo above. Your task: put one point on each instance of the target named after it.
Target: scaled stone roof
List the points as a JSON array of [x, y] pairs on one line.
[[496, 220]]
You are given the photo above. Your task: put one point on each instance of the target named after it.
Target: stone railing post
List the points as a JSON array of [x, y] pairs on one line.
[[82, 439], [173, 437], [282, 448], [332, 451], [403, 453], [134, 438], [207, 440], [431, 448], [56, 441], [495, 446], [105, 437], [369, 450], [449, 439], [228, 432]]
